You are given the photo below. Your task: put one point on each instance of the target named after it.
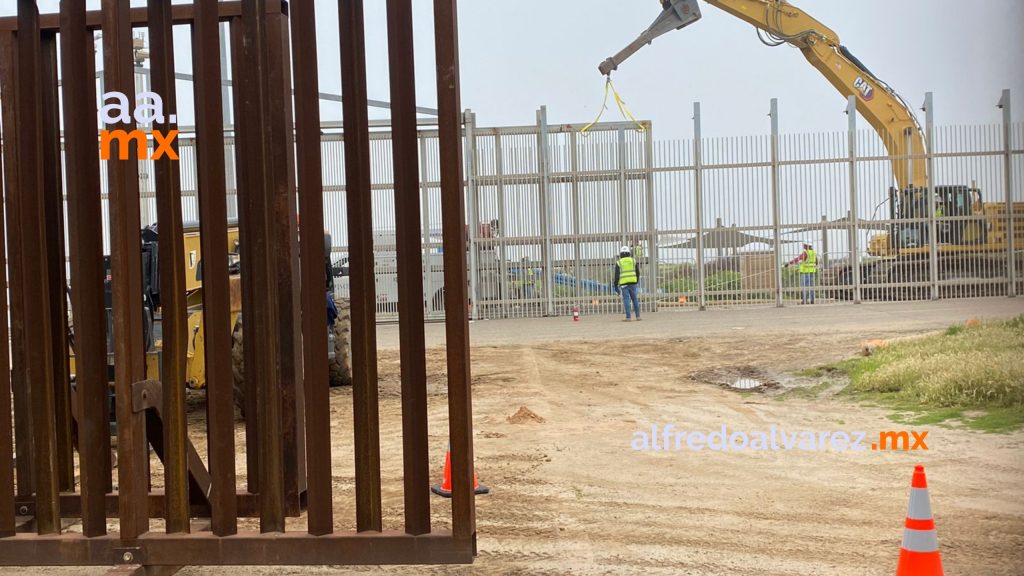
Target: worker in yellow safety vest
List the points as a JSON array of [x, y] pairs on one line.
[[808, 261], [627, 274]]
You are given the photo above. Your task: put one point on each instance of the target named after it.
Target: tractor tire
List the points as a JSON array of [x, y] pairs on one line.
[[340, 368], [341, 365]]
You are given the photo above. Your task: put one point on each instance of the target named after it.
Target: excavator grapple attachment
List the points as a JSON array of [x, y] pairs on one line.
[[677, 14]]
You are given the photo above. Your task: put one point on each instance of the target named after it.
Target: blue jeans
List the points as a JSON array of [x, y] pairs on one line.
[[807, 282], [628, 295]]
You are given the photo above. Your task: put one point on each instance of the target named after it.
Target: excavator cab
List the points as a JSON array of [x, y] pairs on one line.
[[949, 202]]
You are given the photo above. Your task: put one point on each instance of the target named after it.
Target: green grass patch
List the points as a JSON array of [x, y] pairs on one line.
[[997, 420], [954, 329], [807, 392], [817, 372], [936, 416], [936, 379]]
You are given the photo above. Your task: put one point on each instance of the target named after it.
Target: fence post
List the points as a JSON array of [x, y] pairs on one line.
[[776, 230], [231, 184], [472, 192], [823, 260], [544, 170], [933, 238], [574, 166], [504, 292], [428, 261], [652, 232], [853, 217], [698, 187], [1004, 104], [620, 143]]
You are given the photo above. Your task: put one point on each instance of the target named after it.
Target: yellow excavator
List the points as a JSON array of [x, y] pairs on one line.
[[974, 243], [338, 329]]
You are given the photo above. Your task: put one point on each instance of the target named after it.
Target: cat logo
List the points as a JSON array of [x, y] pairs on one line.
[[867, 92]]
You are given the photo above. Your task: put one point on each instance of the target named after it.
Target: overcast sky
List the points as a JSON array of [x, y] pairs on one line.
[[521, 54]]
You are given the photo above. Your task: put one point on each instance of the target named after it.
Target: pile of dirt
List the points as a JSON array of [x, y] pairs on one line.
[[524, 415], [869, 346]]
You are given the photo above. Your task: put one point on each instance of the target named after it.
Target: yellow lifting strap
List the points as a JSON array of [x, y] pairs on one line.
[[608, 86]]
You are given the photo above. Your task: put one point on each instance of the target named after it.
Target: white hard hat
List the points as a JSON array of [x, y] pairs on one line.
[[624, 250]]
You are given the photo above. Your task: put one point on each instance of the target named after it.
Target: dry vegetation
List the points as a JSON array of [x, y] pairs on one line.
[[973, 366]]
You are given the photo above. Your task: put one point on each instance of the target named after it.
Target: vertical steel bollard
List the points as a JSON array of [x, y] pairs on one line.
[[428, 262], [1004, 104], [620, 147], [851, 112], [544, 170], [472, 198], [698, 187], [776, 208], [503, 268], [652, 229], [933, 238], [574, 166]]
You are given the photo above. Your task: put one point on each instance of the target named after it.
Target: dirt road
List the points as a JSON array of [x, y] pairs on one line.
[[572, 496]]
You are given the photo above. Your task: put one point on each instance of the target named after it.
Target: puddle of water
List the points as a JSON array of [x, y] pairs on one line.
[[746, 384]]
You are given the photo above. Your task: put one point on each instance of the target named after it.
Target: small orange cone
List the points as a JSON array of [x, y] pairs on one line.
[[919, 553], [445, 488]]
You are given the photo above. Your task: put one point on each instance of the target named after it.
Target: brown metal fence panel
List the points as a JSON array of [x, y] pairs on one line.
[[171, 503]]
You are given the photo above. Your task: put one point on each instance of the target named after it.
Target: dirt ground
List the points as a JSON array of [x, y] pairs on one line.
[[571, 496]]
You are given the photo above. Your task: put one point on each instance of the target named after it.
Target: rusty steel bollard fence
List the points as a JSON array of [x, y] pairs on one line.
[[61, 428]]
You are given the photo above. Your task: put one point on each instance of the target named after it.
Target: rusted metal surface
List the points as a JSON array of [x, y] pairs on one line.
[[180, 14], [410, 265], [7, 509], [288, 420], [246, 117], [220, 412], [71, 503], [261, 318], [172, 275], [285, 259], [129, 361], [19, 384], [453, 214], [147, 397], [86, 252], [360, 240], [53, 207], [30, 224], [297, 548], [312, 255]]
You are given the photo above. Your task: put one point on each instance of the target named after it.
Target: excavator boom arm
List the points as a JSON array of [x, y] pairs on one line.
[[783, 22]]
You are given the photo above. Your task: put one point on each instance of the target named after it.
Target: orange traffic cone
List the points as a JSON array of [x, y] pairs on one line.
[[919, 554], [445, 488]]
